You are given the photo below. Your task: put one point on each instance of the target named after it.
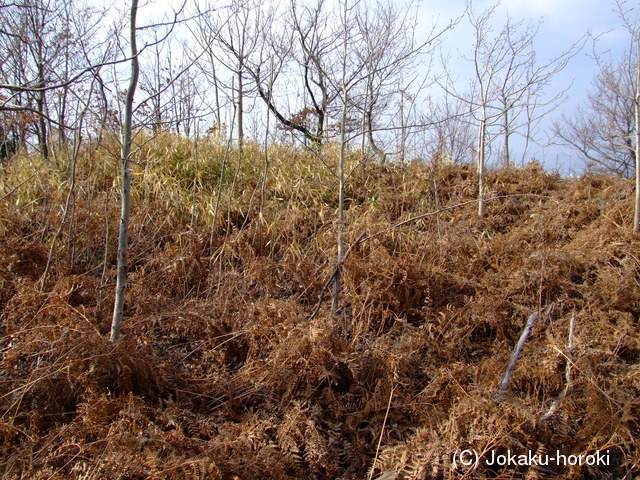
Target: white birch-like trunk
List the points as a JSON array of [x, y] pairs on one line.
[[121, 280], [481, 161], [507, 133]]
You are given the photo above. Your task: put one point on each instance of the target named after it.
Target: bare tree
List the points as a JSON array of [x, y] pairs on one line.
[[388, 51], [304, 44], [204, 34], [78, 27], [521, 85], [153, 81], [239, 36], [508, 84], [229, 37], [490, 55], [172, 88], [603, 131], [187, 94], [30, 27], [451, 138], [630, 16], [344, 87], [47, 46], [607, 132], [127, 135], [125, 192]]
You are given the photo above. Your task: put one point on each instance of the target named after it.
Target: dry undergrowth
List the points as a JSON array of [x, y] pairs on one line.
[[221, 375]]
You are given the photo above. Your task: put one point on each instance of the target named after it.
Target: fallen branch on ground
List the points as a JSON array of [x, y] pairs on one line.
[[514, 356]]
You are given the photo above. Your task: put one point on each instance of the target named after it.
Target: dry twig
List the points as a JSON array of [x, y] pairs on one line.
[[514, 356]]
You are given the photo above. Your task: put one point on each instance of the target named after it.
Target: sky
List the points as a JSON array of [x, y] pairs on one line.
[[562, 23]]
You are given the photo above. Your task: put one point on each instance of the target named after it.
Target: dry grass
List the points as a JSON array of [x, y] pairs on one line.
[[222, 375]]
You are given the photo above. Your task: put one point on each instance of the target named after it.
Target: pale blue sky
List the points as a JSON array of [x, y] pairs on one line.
[[563, 22]]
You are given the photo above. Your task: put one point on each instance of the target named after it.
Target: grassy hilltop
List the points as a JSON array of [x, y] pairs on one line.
[[221, 373]]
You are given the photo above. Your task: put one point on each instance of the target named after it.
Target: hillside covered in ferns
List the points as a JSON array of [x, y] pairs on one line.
[[225, 372]]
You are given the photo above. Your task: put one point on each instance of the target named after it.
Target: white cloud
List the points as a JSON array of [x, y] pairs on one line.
[[558, 11]]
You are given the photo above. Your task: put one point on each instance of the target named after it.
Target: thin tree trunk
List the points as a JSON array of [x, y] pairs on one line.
[[42, 123], [363, 126], [157, 108], [403, 131], [69, 206], [240, 108], [62, 116], [104, 107], [105, 260], [216, 93], [41, 96], [265, 170], [118, 306], [481, 160], [507, 156], [636, 218], [335, 299], [382, 156]]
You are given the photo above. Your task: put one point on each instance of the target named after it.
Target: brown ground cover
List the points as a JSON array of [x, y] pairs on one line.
[[222, 375]]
